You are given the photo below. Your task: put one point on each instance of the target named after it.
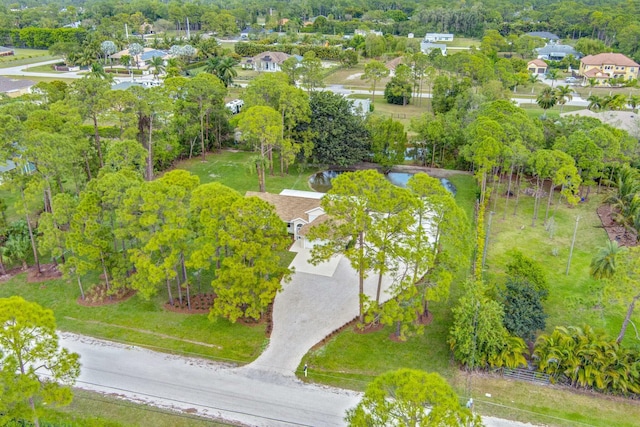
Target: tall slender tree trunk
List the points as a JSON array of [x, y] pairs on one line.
[[150, 151], [184, 275], [536, 202], [104, 271], [169, 291], [3, 271], [361, 279], [97, 138], [518, 182], [31, 236], [80, 286], [433, 154], [627, 319], [508, 194], [204, 154], [179, 286], [551, 190]]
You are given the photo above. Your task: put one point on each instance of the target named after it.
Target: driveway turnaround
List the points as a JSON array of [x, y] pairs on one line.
[[309, 308]]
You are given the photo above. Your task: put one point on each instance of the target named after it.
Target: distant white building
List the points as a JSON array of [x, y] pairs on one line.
[[267, 61], [438, 37], [364, 33], [410, 35], [427, 47], [361, 107]]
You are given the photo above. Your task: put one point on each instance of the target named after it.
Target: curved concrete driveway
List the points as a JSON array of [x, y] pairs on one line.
[[308, 309]]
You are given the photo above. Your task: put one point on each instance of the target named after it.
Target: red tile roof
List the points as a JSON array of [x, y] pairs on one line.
[[609, 59]]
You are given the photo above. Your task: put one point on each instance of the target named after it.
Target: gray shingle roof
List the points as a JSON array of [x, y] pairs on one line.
[[10, 85]]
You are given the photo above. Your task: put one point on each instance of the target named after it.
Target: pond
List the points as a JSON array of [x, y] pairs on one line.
[[321, 181]]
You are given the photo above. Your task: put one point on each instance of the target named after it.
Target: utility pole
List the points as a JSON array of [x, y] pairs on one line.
[[573, 242]]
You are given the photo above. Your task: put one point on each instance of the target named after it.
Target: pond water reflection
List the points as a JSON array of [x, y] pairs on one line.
[[321, 181]]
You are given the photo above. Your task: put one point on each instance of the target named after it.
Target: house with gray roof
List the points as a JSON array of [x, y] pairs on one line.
[[295, 208], [543, 35], [15, 87], [556, 52], [427, 47], [267, 61], [10, 166]]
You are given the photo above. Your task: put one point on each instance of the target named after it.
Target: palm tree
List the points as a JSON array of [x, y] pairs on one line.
[[533, 79], [97, 70], [617, 102], [595, 102], [157, 64], [174, 67], [603, 264], [211, 65], [226, 70], [563, 93], [547, 99], [553, 76], [634, 101]]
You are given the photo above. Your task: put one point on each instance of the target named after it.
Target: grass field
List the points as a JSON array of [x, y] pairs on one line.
[[234, 169], [352, 360], [141, 322], [24, 57], [96, 409]]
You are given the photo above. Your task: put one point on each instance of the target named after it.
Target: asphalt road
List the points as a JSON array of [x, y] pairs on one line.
[[23, 71], [212, 390]]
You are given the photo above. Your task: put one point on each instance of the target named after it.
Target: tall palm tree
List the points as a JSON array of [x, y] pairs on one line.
[[553, 76], [603, 264], [533, 79], [97, 70], [634, 101], [174, 67], [211, 65], [157, 64], [226, 70], [547, 99], [595, 102], [563, 93]]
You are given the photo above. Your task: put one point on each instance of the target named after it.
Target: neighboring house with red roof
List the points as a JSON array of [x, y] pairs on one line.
[[5, 51], [605, 66], [537, 66]]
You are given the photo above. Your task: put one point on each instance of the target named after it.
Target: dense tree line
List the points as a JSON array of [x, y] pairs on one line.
[[611, 23]]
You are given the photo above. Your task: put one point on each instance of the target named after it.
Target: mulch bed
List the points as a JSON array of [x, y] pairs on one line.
[[614, 230], [47, 272], [200, 304], [98, 296]]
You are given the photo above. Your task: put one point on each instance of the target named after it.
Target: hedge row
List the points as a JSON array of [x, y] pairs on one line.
[[40, 38], [322, 52]]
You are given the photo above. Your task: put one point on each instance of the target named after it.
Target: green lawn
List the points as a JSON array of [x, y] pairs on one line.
[[24, 57], [352, 360], [141, 322], [570, 300], [95, 409], [235, 169], [401, 113], [43, 69]]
